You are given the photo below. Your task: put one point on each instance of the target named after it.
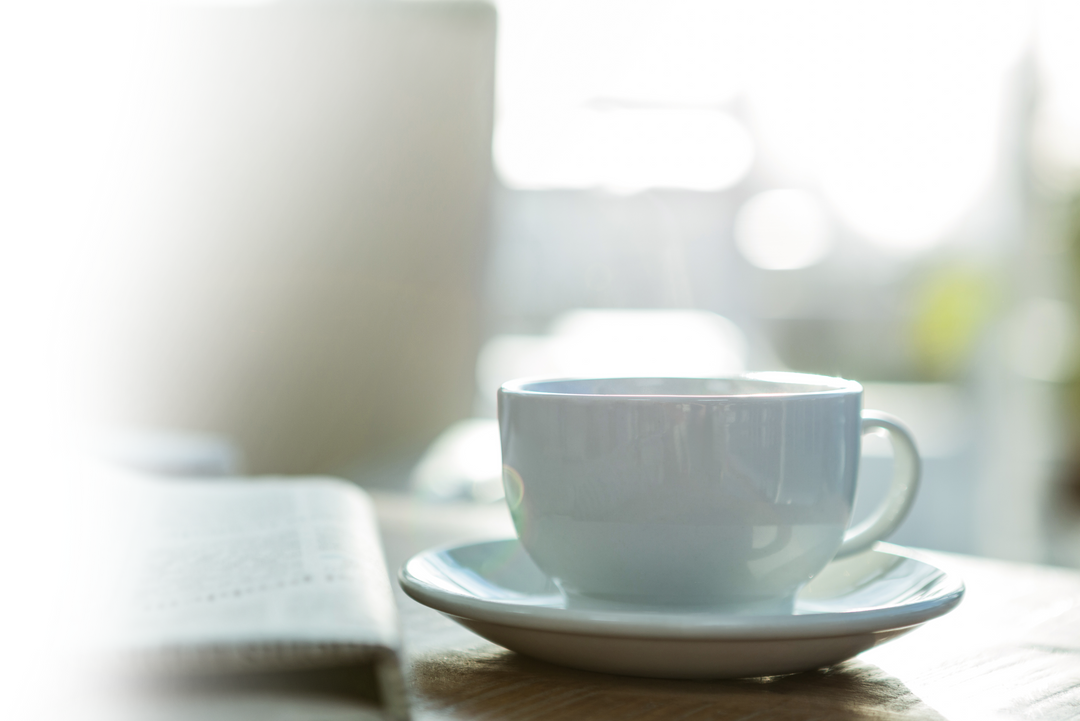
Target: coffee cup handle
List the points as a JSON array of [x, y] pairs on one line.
[[907, 469]]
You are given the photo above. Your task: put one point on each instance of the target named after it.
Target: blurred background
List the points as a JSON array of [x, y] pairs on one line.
[[314, 236]]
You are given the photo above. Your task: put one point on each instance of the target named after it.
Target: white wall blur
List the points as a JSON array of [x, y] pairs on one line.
[[307, 280]]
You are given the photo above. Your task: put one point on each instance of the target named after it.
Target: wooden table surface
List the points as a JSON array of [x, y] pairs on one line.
[[1010, 651]]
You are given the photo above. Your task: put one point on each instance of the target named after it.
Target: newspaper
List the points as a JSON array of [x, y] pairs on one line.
[[252, 576]]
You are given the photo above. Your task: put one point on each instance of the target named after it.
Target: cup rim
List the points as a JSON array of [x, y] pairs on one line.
[[816, 386]]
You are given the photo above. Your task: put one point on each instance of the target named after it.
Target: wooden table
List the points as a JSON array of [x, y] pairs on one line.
[[1010, 651]]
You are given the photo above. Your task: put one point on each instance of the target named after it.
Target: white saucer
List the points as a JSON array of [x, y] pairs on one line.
[[494, 589]]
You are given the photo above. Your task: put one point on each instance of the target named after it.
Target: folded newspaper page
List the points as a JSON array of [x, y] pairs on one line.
[[254, 576]]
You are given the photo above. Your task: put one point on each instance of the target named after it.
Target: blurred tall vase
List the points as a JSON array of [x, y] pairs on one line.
[[298, 226]]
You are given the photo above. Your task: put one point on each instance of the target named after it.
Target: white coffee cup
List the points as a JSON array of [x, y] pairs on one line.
[[720, 492]]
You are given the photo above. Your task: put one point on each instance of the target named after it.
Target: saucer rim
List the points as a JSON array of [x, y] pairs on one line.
[[675, 625]]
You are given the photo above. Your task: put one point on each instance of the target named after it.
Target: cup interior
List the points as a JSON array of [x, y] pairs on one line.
[[764, 384]]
